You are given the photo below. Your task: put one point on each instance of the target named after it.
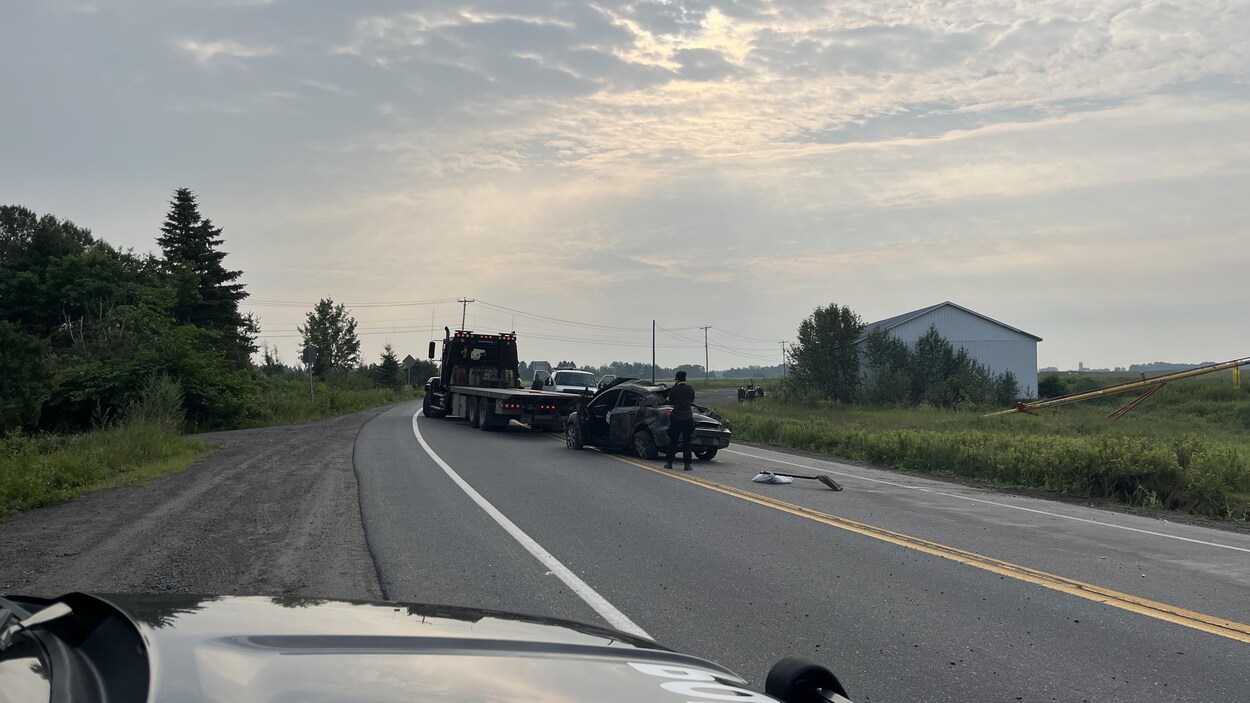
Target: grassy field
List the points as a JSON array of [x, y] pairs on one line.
[[769, 383], [1187, 448]]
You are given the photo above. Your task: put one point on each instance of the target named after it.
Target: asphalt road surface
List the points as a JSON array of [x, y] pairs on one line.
[[912, 590]]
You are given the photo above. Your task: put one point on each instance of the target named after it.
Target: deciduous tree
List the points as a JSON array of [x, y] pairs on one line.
[[825, 359]]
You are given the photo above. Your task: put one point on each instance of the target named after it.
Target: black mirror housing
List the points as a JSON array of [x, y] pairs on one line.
[[431, 350], [800, 680]]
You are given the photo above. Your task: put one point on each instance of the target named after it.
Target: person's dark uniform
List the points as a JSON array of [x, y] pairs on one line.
[[537, 385], [680, 420]]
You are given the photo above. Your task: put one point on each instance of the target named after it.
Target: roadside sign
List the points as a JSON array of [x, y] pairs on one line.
[[409, 361], [309, 356]]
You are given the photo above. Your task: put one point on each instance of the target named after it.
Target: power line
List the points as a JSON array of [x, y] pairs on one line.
[[300, 304], [743, 336], [547, 318]]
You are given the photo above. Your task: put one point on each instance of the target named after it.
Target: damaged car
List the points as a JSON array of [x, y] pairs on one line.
[[630, 415]]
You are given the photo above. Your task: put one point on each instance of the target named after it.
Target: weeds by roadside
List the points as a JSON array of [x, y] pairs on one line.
[[146, 442], [1188, 452], [286, 401]]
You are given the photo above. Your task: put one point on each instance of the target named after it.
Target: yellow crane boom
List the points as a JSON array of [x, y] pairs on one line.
[[1151, 385]]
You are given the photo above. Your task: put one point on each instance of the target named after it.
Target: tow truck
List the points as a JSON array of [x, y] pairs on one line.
[[478, 381]]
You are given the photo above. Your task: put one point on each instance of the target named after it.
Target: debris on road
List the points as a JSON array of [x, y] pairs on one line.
[[764, 477]]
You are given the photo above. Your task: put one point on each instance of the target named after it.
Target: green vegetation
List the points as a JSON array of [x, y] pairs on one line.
[[144, 443], [1187, 448], [108, 356], [286, 401]]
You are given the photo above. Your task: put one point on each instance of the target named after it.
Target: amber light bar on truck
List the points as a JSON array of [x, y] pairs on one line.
[[502, 336]]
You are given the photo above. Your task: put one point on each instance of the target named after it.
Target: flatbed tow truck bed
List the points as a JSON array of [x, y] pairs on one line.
[[494, 408]]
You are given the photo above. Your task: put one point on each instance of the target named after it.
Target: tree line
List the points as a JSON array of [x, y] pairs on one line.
[[85, 326]]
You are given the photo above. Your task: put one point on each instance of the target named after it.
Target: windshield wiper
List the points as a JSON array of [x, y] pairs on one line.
[[10, 625]]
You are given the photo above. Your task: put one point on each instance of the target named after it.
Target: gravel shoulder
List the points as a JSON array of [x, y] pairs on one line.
[[271, 511]]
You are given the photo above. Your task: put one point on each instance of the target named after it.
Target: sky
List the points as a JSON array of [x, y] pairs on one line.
[[1078, 170]]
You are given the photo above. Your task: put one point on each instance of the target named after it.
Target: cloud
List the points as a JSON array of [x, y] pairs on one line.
[[705, 65], [753, 157], [225, 51]]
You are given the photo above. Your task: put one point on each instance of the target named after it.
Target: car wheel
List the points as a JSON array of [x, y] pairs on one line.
[[573, 437], [471, 411], [644, 445], [706, 454]]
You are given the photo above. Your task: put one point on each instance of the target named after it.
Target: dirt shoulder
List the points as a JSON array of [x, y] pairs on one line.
[[273, 510]]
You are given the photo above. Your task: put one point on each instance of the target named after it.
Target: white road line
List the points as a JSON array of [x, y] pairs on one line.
[[991, 502], [600, 604]]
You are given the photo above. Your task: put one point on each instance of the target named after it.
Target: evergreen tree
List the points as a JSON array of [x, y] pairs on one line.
[[389, 372], [332, 331], [208, 293]]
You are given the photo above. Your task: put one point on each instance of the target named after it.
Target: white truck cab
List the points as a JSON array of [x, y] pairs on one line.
[[572, 381]]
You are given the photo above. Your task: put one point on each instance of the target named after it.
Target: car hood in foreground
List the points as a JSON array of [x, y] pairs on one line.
[[263, 650]]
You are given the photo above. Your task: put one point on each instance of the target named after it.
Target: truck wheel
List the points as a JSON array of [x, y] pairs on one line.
[[471, 410], [573, 437], [484, 419], [644, 445], [705, 454]]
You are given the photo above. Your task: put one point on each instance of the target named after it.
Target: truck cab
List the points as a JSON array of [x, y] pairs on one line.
[[573, 381], [479, 360]]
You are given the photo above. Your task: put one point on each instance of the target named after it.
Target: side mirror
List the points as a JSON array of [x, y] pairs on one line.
[[799, 680], [431, 350]]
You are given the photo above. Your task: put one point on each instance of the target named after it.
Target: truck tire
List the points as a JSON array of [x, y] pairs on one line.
[[706, 454], [573, 437], [644, 445], [471, 408], [428, 409], [484, 419]]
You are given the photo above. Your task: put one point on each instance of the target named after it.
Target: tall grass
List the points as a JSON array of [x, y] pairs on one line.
[[145, 442], [1186, 448], [286, 401]]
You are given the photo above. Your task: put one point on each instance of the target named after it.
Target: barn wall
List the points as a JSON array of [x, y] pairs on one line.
[[997, 347]]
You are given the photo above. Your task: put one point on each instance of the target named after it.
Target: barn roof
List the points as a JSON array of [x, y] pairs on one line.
[[892, 322]]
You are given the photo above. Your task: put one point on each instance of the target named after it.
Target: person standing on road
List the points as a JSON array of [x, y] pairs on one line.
[[680, 420]]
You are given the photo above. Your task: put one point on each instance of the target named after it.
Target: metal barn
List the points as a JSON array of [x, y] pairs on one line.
[[1000, 347]]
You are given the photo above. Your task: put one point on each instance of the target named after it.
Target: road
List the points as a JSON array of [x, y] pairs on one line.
[[911, 589]]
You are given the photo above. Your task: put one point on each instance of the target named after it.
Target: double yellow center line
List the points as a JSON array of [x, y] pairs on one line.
[[1143, 606]]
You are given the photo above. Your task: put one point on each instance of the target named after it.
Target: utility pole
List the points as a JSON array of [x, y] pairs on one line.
[[783, 359], [707, 371], [653, 351], [464, 308]]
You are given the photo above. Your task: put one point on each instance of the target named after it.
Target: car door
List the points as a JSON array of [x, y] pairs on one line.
[[621, 418], [595, 428]]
